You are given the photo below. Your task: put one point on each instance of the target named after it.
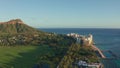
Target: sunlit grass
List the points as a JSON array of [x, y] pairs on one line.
[[21, 56]]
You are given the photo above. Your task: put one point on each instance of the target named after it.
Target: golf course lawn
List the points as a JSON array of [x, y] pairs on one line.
[[21, 56]]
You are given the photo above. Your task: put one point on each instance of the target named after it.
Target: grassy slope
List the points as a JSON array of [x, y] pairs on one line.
[[21, 56], [17, 28]]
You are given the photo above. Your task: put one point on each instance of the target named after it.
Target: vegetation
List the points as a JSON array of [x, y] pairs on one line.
[[16, 26], [54, 45], [21, 56], [22, 46], [15, 32], [29, 56], [76, 53]]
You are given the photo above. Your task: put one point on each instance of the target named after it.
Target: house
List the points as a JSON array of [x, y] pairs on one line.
[[84, 64], [83, 40], [87, 41]]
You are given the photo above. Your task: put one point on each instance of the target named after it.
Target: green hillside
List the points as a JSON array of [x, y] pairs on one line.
[[22, 46], [16, 26]]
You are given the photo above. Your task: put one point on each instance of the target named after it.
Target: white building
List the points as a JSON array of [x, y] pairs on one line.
[[83, 40], [92, 65]]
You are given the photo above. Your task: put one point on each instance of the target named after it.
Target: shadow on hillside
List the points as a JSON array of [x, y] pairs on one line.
[[26, 59]]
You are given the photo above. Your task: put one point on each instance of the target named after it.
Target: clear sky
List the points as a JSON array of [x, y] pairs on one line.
[[63, 13]]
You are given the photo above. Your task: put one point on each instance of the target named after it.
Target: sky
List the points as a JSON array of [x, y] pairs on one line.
[[63, 13]]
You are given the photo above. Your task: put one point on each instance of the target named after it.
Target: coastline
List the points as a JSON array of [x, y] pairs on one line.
[[99, 51], [100, 54], [104, 39]]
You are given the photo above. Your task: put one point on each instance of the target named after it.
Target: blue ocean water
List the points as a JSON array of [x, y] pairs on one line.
[[105, 39]]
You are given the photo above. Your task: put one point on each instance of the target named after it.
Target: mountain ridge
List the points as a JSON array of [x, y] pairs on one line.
[[16, 26], [13, 21]]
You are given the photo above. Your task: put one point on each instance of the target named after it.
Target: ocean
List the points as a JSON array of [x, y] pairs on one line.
[[104, 39]]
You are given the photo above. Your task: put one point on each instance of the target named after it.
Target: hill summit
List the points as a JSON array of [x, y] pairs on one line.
[[13, 21], [16, 26]]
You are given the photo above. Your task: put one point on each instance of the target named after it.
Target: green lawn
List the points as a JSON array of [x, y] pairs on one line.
[[21, 56]]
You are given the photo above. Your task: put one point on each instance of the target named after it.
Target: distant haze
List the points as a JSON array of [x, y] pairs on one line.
[[63, 13]]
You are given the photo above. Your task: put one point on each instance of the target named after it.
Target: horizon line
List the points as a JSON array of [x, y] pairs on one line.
[[73, 28]]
